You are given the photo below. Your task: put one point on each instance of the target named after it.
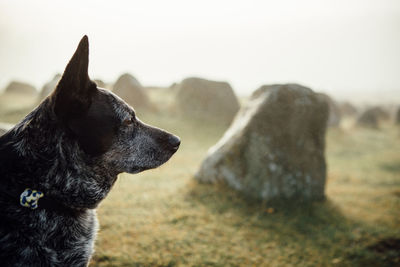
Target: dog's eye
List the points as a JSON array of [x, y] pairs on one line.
[[129, 121]]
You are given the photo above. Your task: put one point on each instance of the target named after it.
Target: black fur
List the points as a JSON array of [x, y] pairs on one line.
[[71, 147]]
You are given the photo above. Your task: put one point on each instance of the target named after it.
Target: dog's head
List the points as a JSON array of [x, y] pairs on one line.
[[105, 127]]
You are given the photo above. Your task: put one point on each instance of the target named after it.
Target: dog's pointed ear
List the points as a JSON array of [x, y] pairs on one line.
[[72, 96]]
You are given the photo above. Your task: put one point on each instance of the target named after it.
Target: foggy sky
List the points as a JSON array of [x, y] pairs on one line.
[[349, 49]]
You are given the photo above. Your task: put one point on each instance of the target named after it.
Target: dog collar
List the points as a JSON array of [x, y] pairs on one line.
[[29, 198]]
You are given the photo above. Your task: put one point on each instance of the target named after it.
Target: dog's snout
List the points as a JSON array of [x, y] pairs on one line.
[[174, 141]]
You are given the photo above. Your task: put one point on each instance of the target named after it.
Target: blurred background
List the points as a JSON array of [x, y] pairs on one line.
[[348, 49], [158, 56]]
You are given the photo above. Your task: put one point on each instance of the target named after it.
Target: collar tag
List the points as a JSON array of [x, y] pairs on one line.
[[29, 198]]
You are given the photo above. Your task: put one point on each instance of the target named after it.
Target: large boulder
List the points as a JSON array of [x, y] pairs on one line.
[[334, 111], [49, 87], [4, 127], [372, 117], [22, 88], [274, 149], [204, 99], [129, 89]]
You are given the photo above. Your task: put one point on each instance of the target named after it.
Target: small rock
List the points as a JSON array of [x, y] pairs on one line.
[[372, 117]]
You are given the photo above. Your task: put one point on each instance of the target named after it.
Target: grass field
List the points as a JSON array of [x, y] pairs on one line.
[[164, 218]]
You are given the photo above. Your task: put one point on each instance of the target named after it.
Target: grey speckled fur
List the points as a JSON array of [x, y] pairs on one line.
[[71, 147]]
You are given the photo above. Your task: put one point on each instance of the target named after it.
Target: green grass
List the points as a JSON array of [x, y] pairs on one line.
[[163, 217]]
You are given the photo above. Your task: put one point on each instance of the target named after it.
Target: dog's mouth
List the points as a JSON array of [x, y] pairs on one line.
[[165, 156], [137, 170]]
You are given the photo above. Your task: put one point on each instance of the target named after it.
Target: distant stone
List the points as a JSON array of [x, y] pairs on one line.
[[347, 109], [100, 83], [274, 149], [129, 89], [334, 111], [49, 87], [372, 117], [209, 100], [398, 116], [4, 127], [20, 88], [173, 85]]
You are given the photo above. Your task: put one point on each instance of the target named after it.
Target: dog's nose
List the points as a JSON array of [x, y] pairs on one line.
[[174, 141]]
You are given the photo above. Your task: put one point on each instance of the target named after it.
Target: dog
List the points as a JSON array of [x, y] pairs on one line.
[[60, 162]]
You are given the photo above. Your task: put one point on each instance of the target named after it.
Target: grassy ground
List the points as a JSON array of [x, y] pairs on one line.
[[163, 218]]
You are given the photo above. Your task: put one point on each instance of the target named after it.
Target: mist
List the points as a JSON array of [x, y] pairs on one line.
[[348, 49]]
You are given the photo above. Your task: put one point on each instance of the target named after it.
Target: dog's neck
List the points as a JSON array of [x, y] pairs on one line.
[[51, 162]]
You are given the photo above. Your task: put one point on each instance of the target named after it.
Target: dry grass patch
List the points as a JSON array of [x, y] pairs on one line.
[[163, 218]]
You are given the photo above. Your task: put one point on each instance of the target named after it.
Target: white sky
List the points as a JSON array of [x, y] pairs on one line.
[[345, 48]]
